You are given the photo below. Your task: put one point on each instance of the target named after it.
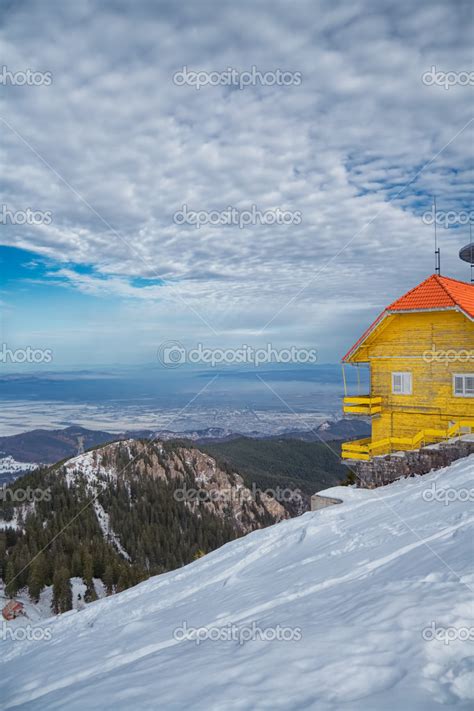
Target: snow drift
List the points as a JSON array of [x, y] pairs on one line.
[[362, 606]]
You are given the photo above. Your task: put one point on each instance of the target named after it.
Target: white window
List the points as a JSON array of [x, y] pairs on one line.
[[402, 383], [463, 384]]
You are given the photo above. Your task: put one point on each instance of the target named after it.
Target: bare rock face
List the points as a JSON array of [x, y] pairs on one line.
[[197, 479]]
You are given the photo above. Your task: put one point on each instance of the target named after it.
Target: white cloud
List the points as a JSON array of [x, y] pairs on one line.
[[135, 148]]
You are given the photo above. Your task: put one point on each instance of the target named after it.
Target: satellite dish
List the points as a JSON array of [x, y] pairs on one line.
[[467, 253]]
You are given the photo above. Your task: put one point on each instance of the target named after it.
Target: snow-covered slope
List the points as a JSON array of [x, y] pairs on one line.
[[8, 465], [363, 606]]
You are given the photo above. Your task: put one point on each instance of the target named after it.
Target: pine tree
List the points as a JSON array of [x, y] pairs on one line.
[[62, 591], [108, 579], [87, 568], [11, 582], [36, 578]]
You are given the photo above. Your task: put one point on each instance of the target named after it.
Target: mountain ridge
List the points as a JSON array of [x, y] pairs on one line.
[[42, 446], [135, 507]]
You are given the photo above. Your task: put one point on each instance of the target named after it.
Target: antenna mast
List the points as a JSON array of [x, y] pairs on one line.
[[437, 249], [472, 252]]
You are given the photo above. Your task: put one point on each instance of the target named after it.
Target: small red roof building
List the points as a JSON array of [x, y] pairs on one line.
[[13, 609]]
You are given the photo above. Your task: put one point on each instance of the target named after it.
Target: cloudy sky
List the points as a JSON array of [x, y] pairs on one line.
[[106, 144]]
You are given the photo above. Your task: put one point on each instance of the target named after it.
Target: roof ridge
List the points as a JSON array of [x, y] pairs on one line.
[[457, 281], [438, 279]]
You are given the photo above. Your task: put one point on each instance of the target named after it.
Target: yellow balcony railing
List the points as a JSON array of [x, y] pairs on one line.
[[365, 449], [358, 449], [362, 405]]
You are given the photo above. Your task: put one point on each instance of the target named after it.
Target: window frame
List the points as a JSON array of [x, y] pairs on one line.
[[464, 377], [402, 373]]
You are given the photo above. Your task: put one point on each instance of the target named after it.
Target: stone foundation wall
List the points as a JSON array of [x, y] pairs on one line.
[[321, 502], [383, 470]]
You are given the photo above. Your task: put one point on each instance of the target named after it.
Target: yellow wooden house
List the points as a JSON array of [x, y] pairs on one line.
[[420, 352]]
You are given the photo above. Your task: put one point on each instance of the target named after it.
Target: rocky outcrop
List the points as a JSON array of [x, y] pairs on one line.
[[198, 480]]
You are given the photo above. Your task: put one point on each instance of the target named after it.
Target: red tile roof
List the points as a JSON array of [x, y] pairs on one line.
[[434, 294], [13, 605], [437, 292]]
